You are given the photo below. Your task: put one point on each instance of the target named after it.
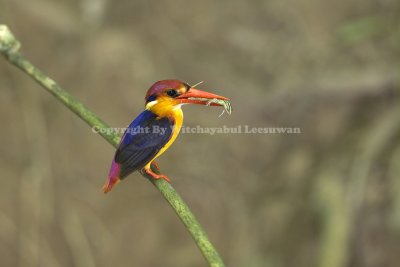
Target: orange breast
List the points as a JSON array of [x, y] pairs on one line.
[[166, 107]]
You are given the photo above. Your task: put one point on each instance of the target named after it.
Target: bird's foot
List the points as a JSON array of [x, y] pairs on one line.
[[156, 176], [155, 166]]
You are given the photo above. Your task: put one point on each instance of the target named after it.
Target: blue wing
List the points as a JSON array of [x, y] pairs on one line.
[[141, 142]]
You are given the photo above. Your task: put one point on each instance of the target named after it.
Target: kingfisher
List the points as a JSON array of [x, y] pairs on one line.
[[155, 129]]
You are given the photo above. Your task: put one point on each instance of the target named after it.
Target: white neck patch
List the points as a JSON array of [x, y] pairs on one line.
[[151, 103], [179, 106]]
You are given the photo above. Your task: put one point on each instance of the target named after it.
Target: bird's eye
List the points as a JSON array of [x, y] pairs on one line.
[[172, 93]]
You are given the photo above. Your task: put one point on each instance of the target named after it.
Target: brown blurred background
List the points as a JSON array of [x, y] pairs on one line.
[[328, 197]]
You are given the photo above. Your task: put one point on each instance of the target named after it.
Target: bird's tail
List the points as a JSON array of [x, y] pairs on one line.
[[112, 181], [113, 177]]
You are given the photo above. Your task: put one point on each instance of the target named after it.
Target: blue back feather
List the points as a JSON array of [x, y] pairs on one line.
[[141, 143]]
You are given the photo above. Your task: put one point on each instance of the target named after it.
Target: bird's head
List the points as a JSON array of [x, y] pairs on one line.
[[170, 94]]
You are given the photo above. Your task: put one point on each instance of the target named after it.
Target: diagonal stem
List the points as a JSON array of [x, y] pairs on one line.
[[9, 47]]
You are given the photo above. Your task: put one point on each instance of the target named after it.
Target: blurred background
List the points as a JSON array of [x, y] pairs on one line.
[[328, 197]]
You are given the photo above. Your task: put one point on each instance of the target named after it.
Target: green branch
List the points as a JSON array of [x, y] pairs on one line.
[[9, 47]]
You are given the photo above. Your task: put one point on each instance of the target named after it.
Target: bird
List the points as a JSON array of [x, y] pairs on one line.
[[154, 130]]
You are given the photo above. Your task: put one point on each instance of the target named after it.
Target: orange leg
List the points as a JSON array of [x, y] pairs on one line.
[[156, 176], [155, 166]]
